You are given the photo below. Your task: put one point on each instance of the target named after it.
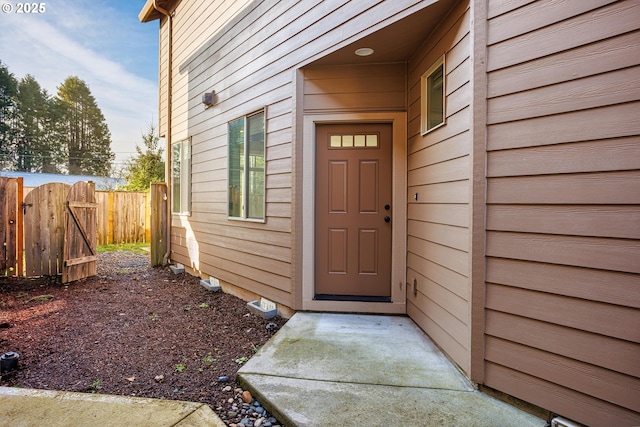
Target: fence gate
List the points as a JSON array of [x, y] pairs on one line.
[[11, 226], [80, 227], [44, 229], [60, 231]]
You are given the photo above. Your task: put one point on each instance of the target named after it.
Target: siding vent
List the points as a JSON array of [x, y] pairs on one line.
[[563, 422], [177, 268], [263, 307], [212, 284]]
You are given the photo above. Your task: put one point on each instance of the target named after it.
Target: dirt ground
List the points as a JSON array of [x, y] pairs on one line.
[[131, 330]]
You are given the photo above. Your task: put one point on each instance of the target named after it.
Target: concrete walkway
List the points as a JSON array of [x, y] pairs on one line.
[[341, 369], [27, 408]]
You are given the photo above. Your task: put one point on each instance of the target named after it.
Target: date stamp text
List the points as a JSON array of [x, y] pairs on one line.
[[24, 8]]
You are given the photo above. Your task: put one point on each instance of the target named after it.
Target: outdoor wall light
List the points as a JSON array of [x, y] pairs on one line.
[[209, 98]]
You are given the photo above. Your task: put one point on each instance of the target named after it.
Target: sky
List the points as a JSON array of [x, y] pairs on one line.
[[103, 43]]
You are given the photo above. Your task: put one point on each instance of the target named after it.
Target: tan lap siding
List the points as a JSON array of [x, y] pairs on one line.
[[563, 207], [439, 169], [375, 87], [247, 52]]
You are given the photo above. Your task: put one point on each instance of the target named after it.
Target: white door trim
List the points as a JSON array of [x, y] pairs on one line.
[[398, 209]]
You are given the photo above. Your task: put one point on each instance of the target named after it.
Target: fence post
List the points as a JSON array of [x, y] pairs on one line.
[[20, 228], [158, 222], [5, 263]]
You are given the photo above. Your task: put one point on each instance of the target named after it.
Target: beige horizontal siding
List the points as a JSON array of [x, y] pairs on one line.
[[247, 53], [592, 316], [355, 88], [440, 325], [575, 405], [598, 285], [591, 59], [621, 122], [438, 260], [621, 154], [589, 92], [584, 188], [589, 27], [442, 234], [499, 7], [586, 378], [563, 203], [456, 214], [607, 352], [540, 14], [613, 221]]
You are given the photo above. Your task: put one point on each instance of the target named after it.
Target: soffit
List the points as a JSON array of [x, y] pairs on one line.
[[396, 42]]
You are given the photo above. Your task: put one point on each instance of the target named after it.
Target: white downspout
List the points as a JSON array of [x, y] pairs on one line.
[[167, 166]]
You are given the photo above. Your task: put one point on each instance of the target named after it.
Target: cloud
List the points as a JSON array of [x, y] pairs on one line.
[[89, 40]]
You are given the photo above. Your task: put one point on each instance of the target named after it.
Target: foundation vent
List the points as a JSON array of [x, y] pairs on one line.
[[563, 422]]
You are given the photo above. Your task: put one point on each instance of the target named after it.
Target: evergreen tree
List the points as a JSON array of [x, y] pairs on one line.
[[87, 139], [8, 91], [38, 142], [147, 166], [55, 160]]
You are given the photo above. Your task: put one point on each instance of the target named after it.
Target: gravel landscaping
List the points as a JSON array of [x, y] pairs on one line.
[[137, 331]]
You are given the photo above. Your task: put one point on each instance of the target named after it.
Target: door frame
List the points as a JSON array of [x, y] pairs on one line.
[[399, 214]]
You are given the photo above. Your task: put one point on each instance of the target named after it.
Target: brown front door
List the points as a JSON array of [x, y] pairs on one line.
[[353, 211]]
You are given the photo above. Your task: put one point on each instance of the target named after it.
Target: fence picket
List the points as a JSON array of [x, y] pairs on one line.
[[123, 217]]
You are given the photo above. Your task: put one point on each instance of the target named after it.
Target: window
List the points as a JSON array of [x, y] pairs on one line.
[[433, 97], [353, 141], [247, 167], [181, 177]]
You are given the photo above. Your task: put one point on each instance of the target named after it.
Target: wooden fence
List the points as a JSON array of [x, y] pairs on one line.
[[123, 217], [44, 224], [11, 243], [60, 231], [119, 217]]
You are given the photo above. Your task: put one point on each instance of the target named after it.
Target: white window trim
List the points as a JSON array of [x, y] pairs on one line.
[[185, 187], [423, 96]]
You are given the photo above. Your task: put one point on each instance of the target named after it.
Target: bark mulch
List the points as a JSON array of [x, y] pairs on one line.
[[131, 330]]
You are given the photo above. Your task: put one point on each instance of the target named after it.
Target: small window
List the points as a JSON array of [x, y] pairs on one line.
[[181, 177], [433, 97], [247, 167], [351, 141]]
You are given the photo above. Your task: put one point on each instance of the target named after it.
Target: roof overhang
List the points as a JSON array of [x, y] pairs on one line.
[[396, 42], [150, 13]]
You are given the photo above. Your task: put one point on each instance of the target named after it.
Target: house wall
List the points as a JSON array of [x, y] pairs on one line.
[[377, 87], [563, 217], [438, 195], [249, 56]]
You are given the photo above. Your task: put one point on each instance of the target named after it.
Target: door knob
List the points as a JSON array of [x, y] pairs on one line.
[[387, 219]]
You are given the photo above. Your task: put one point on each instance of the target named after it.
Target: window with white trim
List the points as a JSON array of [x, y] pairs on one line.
[[433, 96], [246, 197], [181, 177]]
